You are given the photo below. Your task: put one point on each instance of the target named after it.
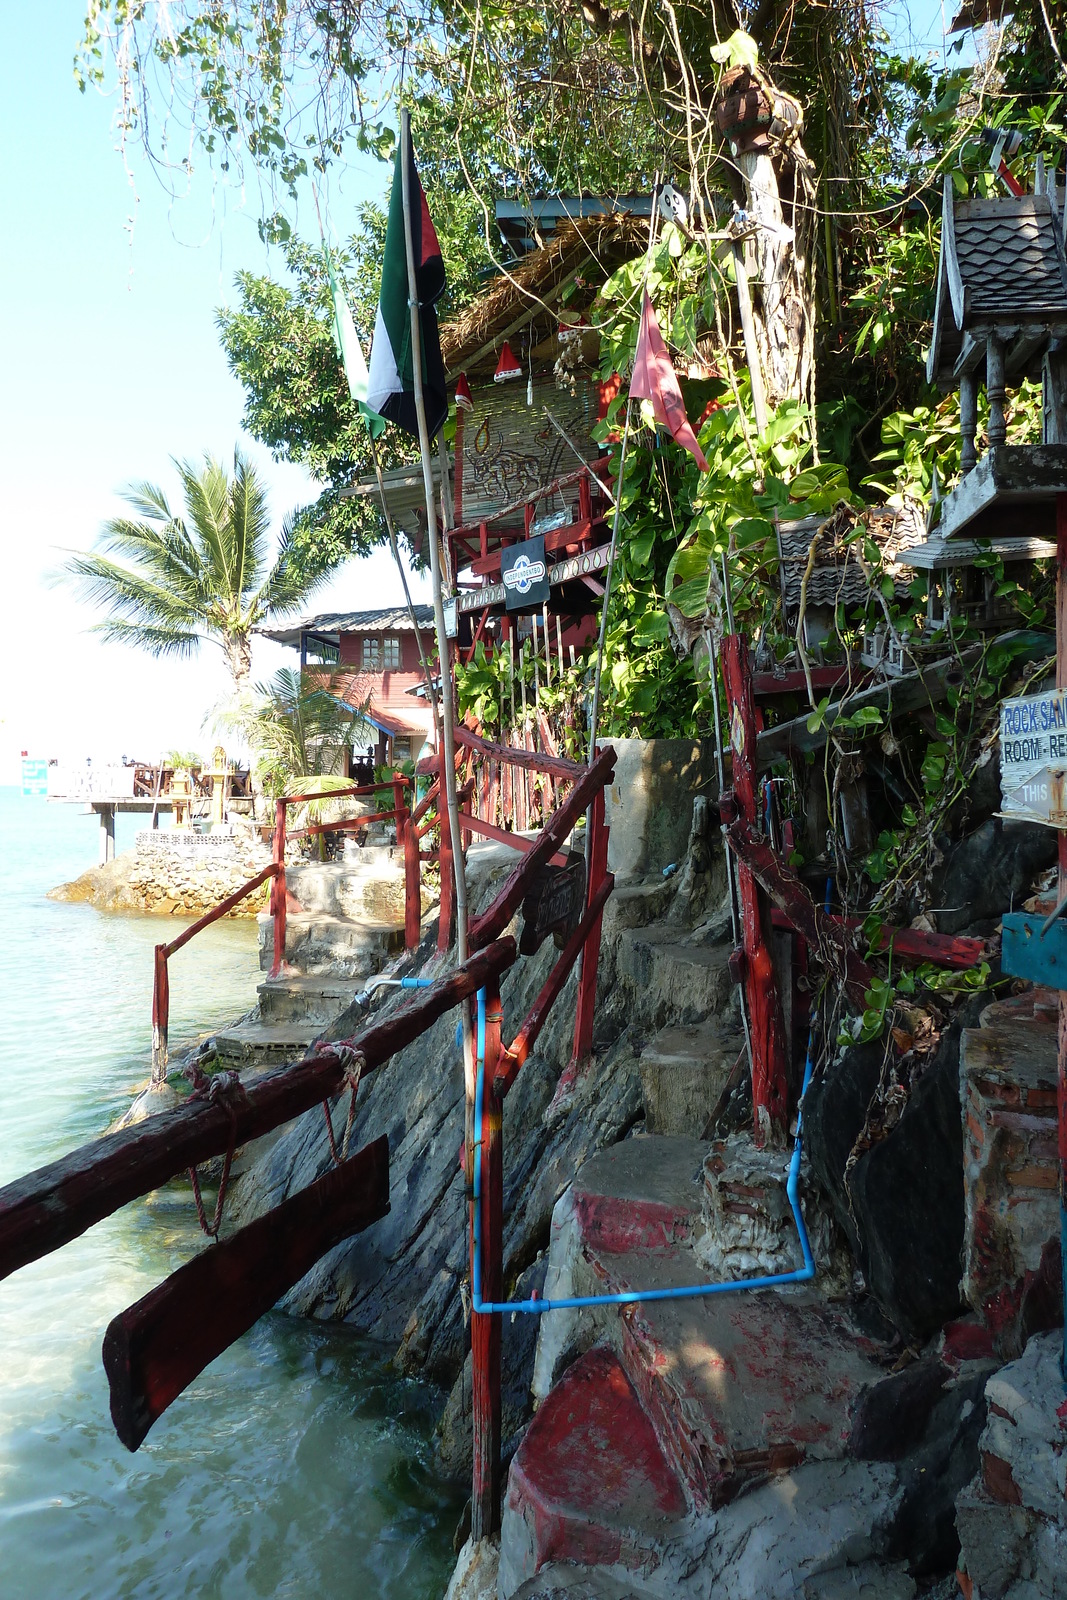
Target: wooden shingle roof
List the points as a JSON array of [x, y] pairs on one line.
[[1002, 264]]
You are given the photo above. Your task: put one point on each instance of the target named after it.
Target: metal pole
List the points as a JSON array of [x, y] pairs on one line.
[[448, 742]]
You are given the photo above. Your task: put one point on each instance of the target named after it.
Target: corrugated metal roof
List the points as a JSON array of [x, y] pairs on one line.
[[390, 619]]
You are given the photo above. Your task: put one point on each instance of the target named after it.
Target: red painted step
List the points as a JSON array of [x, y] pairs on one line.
[[589, 1482]]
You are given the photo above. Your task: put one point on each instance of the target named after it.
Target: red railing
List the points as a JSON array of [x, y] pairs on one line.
[[279, 896], [55, 1204]]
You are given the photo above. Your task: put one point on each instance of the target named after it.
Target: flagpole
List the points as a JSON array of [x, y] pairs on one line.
[[372, 443], [447, 749]]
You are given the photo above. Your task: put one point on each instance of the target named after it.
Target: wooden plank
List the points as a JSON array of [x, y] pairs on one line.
[[154, 1349], [58, 1202], [911, 944], [559, 766], [913, 689], [493, 922]]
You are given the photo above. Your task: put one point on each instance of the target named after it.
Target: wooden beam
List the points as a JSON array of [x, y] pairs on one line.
[[154, 1349], [829, 940], [57, 1203], [559, 825], [558, 766]]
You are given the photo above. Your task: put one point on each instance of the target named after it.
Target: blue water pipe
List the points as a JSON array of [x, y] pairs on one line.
[[773, 1280]]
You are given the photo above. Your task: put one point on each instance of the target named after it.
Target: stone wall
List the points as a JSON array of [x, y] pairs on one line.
[[169, 874]]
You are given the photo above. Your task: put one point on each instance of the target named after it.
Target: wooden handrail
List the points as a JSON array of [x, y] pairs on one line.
[[493, 922], [343, 794], [59, 1202], [513, 1057], [533, 761], [221, 910]]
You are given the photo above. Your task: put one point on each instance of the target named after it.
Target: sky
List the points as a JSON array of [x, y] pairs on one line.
[[110, 365]]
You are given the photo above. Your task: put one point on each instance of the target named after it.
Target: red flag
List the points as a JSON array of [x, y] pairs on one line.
[[655, 379]]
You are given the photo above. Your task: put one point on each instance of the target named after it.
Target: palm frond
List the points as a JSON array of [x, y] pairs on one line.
[[133, 595], [249, 524], [157, 639], [299, 568]]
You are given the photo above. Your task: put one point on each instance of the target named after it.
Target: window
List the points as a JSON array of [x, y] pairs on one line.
[[370, 660], [392, 652]]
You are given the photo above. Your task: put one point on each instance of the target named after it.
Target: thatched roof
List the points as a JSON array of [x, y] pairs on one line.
[[591, 248]]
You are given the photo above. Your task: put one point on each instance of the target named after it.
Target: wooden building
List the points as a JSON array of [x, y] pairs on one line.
[[370, 661]]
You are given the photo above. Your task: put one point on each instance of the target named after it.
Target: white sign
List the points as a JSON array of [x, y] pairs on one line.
[[1033, 757]]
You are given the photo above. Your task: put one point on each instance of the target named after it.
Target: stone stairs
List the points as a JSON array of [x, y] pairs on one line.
[[710, 1396], [351, 914]]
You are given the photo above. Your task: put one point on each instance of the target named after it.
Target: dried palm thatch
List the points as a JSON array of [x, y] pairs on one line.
[[590, 248]]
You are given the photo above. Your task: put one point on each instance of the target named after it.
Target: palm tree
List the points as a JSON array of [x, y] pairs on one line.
[[201, 575], [297, 728]]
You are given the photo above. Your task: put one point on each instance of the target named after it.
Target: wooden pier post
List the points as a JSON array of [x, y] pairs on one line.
[[770, 1107], [106, 813]]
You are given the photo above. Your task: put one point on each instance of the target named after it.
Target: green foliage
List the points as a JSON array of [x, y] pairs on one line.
[[204, 574], [295, 727]]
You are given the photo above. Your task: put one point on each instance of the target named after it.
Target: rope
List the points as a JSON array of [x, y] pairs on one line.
[[354, 1063], [223, 1089]]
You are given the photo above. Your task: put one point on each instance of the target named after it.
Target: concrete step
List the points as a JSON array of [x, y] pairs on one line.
[[735, 1385], [683, 1072], [341, 946], [589, 1482], [304, 998], [678, 982], [258, 1044], [749, 1227]]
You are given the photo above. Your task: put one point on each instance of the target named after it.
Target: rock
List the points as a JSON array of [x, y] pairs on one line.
[[935, 1472], [1012, 1517], [683, 1074], [988, 872], [891, 1416], [475, 1577], [902, 1206], [565, 1580], [649, 803], [871, 1581]]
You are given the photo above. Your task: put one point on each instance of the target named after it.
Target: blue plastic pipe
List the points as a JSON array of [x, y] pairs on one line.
[[773, 1280]]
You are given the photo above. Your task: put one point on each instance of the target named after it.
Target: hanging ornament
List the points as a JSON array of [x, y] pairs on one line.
[[507, 367], [464, 401]]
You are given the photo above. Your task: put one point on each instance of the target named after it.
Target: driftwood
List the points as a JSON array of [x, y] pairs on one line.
[[154, 1349], [55, 1204]]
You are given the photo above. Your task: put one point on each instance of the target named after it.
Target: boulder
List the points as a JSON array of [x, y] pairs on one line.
[[988, 872]]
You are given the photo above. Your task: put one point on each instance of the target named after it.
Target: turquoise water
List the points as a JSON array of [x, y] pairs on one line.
[[298, 1465]]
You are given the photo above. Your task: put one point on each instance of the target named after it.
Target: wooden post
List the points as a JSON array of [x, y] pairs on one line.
[[598, 866], [412, 884], [1061, 1076], [278, 894], [399, 807], [160, 1016], [107, 833], [485, 1326], [770, 1072], [444, 861]]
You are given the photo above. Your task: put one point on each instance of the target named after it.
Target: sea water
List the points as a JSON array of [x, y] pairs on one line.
[[298, 1465]]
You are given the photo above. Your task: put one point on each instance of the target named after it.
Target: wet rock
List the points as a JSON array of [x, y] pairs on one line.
[[988, 872], [891, 1417], [934, 1473], [901, 1206]]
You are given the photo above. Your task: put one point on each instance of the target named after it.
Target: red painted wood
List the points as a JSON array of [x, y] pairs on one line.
[[446, 903], [485, 1326], [911, 944], [765, 685], [512, 1058], [827, 935], [279, 898], [586, 1002], [342, 794], [559, 766], [221, 910], [493, 922], [160, 1014], [770, 1062], [412, 888], [58, 1202], [154, 1349], [572, 538], [516, 841]]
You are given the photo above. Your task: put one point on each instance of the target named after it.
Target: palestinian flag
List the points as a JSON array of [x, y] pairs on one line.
[[391, 389], [348, 348]]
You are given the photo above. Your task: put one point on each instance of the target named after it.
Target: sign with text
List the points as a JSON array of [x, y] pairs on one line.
[[524, 575], [554, 904], [34, 777], [1033, 757]]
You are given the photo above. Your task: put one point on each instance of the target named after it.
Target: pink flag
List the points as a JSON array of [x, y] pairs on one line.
[[655, 379]]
